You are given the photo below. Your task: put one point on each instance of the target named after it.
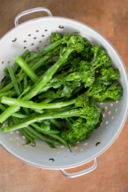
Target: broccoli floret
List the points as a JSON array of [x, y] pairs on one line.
[[106, 75], [110, 74], [82, 127], [100, 57], [102, 92], [67, 88], [78, 131], [66, 37], [80, 71], [87, 53], [55, 37], [75, 43], [69, 42], [90, 110], [114, 92]]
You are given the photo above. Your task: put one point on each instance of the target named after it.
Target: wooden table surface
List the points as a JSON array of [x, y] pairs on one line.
[[110, 18]]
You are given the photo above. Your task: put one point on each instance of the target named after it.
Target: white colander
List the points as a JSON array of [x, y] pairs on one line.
[[33, 35]]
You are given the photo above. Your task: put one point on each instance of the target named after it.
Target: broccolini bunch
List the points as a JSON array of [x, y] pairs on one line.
[[53, 95]]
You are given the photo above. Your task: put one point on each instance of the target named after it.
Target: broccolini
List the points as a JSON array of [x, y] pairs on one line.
[[54, 94]]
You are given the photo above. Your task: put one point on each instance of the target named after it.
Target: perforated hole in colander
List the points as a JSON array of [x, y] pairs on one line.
[[98, 143], [85, 144], [76, 147], [65, 155], [109, 112], [106, 122], [51, 159], [45, 45], [113, 117], [62, 146], [61, 27], [14, 40], [106, 108], [23, 137], [104, 115], [81, 150], [38, 48], [17, 132], [116, 110], [17, 138]]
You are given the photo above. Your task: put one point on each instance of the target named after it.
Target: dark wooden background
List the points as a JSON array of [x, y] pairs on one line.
[[110, 18]]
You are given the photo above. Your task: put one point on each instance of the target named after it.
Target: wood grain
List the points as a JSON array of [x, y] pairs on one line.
[[110, 18]]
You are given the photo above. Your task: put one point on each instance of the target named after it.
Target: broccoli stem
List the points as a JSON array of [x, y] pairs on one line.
[[26, 68], [38, 86], [16, 67], [26, 54], [5, 81], [20, 76], [56, 123], [19, 115], [37, 106], [25, 82], [46, 77], [8, 93], [27, 136], [13, 79], [8, 112], [45, 131], [25, 123], [50, 133], [36, 135], [25, 133], [2, 107], [42, 61], [45, 51]]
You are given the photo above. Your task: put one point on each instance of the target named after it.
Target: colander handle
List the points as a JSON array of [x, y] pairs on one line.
[[29, 11], [80, 173]]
